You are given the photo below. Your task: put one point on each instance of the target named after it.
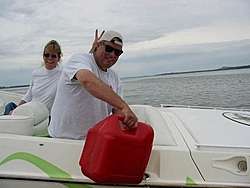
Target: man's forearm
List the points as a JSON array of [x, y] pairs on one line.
[[99, 89]]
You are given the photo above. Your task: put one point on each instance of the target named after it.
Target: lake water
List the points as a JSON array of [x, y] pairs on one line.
[[228, 89]]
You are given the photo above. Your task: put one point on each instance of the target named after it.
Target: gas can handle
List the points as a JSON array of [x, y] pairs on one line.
[[122, 125], [121, 118]]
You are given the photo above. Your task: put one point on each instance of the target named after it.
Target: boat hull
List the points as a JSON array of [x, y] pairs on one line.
[[192, 147]]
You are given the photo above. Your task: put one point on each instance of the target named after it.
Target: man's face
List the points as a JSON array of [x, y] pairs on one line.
[[107, 54]]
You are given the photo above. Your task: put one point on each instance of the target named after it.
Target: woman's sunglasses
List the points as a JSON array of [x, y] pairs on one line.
[[47, 55], [111, 49]]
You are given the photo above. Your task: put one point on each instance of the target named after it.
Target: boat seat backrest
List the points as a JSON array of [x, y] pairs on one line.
[[35, 109], [2, 105], [151, 116], [31, 118]]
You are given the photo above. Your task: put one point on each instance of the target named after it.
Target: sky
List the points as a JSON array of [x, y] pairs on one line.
[[160, 36]]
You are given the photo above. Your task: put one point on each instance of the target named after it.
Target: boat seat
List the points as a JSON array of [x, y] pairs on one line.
[[21, 125], [31, 118], [2, 105]]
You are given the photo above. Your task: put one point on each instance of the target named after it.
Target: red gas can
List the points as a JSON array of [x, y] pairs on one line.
[[115, 155]]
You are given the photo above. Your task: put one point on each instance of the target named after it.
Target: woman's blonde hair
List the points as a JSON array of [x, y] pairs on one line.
[[53, 45]]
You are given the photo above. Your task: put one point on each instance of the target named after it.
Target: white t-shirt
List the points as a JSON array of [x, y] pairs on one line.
[[75, 110], [43, 86]]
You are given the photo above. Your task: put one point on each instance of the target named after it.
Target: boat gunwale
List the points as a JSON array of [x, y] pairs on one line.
[[202, 107]]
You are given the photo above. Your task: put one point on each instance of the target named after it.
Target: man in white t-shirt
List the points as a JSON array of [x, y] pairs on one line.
[[89, 90]]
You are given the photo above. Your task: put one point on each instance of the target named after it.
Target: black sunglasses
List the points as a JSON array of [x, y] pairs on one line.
[[47, 55], [111, 49]]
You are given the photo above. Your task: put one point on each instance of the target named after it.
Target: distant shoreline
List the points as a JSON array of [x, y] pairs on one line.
[[162, 74], [210, 70], [8, 87]]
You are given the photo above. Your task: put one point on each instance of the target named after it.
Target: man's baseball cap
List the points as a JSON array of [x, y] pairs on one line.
[[109, 35]]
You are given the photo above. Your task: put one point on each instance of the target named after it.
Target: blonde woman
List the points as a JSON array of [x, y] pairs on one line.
[[44, 81]]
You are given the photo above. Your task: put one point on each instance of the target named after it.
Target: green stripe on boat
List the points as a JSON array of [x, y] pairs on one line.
[[51, 170], [189, 181]]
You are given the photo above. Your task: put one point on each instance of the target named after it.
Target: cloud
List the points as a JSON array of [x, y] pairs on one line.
[[160, 36], [201, 56]]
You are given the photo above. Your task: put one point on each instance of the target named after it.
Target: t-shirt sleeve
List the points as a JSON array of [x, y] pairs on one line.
[[78, 62], [116, 83], [120, 88], [120, 93]]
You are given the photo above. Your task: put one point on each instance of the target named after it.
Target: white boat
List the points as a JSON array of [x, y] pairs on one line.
[[192, 147]]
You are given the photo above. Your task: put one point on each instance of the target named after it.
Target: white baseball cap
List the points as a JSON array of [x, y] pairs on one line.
[[109, 35]]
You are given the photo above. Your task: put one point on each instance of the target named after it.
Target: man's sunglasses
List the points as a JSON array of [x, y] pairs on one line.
[[111, 49], [47, 55]]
